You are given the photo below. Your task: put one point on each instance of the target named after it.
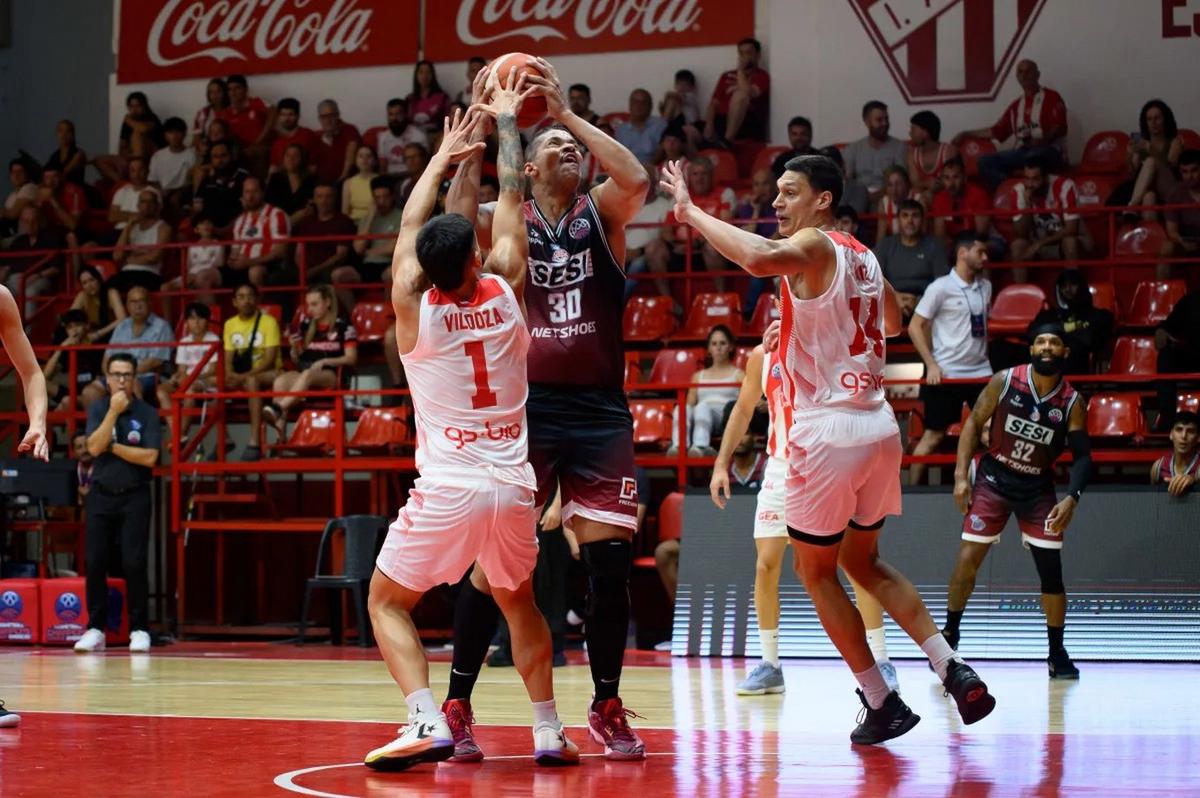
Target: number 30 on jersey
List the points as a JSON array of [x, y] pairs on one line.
[[565, 306]]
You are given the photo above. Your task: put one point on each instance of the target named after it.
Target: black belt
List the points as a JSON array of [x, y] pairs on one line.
[[120, 492]]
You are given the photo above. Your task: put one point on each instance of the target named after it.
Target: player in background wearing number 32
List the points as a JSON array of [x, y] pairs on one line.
[[844, 447]]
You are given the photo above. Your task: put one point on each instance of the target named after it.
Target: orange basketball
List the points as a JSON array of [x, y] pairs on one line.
[[533, 110]]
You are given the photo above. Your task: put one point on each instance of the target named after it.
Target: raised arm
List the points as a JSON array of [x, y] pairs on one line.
[[463, 195], [735, 429], [12, 334], [893, 319], [968, 442]]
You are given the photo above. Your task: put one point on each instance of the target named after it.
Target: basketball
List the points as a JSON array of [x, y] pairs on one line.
[[533, 110]]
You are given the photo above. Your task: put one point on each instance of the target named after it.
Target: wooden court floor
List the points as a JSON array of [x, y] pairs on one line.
[[273, 720]]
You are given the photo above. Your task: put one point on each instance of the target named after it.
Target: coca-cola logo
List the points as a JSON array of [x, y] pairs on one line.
[[587, 20], [269, 29]]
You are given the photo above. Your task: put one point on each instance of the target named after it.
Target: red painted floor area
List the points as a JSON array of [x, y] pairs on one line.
[[58, 755]]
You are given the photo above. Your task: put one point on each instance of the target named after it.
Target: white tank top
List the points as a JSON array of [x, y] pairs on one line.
[[833, 345], [143, 238], [468, 380], [779, 405]]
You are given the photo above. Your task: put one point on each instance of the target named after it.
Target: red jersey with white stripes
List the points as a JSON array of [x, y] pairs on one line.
[[467, 374], [832, 345], [779, 405], [260, 229]]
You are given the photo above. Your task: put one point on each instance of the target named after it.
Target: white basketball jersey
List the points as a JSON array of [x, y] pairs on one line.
[[779, 404], [468, 379], [833, 345]]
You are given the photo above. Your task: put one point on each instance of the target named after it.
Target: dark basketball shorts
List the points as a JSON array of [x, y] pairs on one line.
[[943, 403], [990, 509], [583, 438]]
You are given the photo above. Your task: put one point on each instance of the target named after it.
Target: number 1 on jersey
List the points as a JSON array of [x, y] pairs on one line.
[[484, 395]]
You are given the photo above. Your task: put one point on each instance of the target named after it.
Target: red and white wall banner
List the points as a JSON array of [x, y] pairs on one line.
[[177, 39]]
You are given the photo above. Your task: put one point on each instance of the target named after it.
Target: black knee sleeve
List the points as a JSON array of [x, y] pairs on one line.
[[475, 618], [607, 563], [1049, 568]]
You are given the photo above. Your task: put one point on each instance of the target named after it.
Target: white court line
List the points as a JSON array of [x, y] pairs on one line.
[[286, 781]]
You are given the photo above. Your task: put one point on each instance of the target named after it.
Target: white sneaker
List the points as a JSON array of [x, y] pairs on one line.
[[552, 747], [139, 642], [92, 640], [426, 738]]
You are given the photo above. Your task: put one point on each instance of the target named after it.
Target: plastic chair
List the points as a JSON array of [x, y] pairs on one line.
[[1134, 354], [708, 310], [971, 151], [371, 136], [1190, 138], [315, 432], [1104, 153], [1189, 401], [364, 538], [766, 156], [670, 517], [381, 428], [633, 371], [724, 165], [1153, 300], [1143, 240], [276, 311], [1015, 307], [371, 320], [741, 356], [1094, 189], [652, 420], [648, 318], [1104, 297], [675, 365], [1115, 415], [765, 312]]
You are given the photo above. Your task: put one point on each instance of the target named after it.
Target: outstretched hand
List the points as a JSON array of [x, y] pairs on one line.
[[673, 180], [35, 444], [718, 486], [510, 91], [548, 86], [456, 135]]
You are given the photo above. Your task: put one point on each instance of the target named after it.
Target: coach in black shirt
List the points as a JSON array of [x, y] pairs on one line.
[[123, 434]]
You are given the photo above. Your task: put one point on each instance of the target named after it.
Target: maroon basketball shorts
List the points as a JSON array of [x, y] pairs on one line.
[[990, 509]]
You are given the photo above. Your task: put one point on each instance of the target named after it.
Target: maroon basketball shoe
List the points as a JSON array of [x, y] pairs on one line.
[[608, 722], [459, 717]]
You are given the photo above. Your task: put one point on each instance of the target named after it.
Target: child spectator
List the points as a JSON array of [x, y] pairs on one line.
[[197, 340], [1180, 468]]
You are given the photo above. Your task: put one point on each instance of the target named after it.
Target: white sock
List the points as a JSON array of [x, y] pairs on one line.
[[877, 640], [544, 712], [420, 702], [769, 638], [939, 653], [874, 688]]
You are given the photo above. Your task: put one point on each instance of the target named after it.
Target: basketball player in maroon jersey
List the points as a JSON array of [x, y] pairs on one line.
[[844, 447], [1179, 469], [16, 345], [1034, 415], [580, 429], [464, 343]]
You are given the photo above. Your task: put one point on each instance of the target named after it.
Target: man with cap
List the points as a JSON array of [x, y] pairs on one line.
[[1034, 415]]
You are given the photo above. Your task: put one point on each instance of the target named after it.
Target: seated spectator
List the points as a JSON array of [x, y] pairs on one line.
[[24, 192], [854, 193], [72, 330], [123, 208], [463, 98], [428, 105], [669, 252], [759, 217], [32, 236], [289, 132], [1154, 153], [62, 204], [139, 250], [216, 95], [1183, 224], [218, 188], [259, 251], [845, 221], [416, 158], [910, 259], [324, 344], [748, 465], [325, 260], [1036, 122], [139, 327], [740, 107], [706, 405], [896, 190], [251, 340], [672, 146], [1180, 468], [290, 188], [1048, 226], [171, 166], [336, 144], [656, 207], [101, 303], [250, 122], [1178, 342], [356, 191], [400, 132], [489, 189], [949, 330], [68, 159], [140, 136], [205, 258], [1088, 328], [681, 105], [927, 155], [800, 136], [642, 133], [579, 97], [195, 344], [868, 158], [219, 133], [384, 221], [960, 205]]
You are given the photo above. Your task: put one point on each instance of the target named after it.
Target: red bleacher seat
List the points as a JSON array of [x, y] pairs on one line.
[[371, 136], [1104, 297], [371, 320], [971, 150], [766, 156], [1142, 240], [1115, 415], [724, 165], [276, 311], [1093, 190], [1153, 300], [1189, 401], [648, 318], [1190, 138], [670, 517], [652, 420], [741, 355], [1104, 153], [709, 309], [676, 365], [1002, 200], [633, 370], [381, 428], [615, 118], [1015, 306], [314, 432], [765, 312], [1134, 354]]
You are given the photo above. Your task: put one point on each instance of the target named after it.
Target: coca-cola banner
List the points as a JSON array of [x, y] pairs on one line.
[[458, 29], [176, 39]]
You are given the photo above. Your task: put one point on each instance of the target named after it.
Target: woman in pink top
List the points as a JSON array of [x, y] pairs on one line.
[[217, 95], [428, 104]]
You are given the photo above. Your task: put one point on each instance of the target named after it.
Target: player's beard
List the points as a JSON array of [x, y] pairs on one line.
[[1049, 366]]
